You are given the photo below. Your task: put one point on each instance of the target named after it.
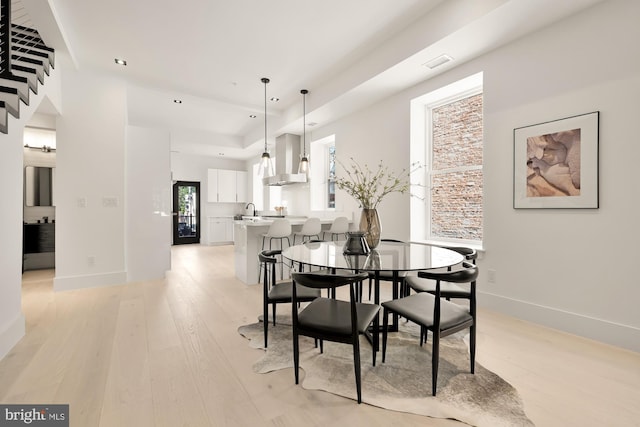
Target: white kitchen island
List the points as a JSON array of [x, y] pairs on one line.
[[247, 235]]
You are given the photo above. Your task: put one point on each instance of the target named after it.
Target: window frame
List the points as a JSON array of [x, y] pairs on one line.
[[421, 150]]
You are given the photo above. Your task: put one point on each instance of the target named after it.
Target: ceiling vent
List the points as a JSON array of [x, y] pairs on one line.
[[438, 61]]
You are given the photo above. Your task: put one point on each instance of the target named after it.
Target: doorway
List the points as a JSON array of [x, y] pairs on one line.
[[186, 212]]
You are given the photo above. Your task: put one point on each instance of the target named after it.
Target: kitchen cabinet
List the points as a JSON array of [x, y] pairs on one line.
[[241, 186], [38, 246], [220, 230], [227, 186]]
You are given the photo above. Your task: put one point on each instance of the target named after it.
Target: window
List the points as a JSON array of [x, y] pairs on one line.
[[323, 174], [449, 208], [331, 180], [264, 197]]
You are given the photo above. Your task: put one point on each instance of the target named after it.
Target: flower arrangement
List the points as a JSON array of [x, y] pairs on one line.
[[369, 187]]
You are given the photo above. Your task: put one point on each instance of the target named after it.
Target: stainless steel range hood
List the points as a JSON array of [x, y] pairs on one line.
[[287, 159]]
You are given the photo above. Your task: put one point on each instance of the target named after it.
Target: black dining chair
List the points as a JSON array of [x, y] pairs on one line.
[[447, 290], [432, 312], [329, 319], [278, 292]]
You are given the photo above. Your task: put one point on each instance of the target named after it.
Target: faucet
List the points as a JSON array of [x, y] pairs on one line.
[[254, 208]]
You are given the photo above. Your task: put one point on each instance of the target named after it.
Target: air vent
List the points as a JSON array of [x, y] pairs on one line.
[[438, 61]]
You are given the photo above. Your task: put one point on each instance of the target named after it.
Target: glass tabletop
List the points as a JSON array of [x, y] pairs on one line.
[[388, 256]]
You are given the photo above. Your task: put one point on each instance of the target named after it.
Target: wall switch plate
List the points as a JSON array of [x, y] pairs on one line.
[[491, 275], [110, 202]]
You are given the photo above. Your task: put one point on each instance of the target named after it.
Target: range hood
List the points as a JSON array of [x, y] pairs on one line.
[[287, 159]]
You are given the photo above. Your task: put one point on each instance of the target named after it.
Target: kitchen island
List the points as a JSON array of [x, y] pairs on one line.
[[247, 235]]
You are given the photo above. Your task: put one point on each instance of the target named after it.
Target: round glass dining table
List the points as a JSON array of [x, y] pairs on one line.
[[391, 257]]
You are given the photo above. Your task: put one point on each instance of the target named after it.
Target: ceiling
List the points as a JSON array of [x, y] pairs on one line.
[[211, 54]]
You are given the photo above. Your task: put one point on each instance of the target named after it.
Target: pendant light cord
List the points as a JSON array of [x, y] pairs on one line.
[[265, 81], [304, 121]]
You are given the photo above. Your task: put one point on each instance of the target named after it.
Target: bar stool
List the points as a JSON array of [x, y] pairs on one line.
[[280, 229], [310, 228], [339, 226]]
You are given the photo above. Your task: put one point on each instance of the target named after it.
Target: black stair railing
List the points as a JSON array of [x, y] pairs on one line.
[[5, 37]]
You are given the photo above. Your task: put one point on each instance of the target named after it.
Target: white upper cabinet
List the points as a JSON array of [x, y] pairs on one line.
[[241, 186], [227, 186]]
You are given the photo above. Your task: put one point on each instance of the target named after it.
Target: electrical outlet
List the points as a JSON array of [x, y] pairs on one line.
[[91, 260], [491, 275]]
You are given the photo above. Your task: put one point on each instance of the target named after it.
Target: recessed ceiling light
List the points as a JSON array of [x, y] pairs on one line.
[[438, 61], [120, 61], [253, 116], [178, 101], [274, 99]]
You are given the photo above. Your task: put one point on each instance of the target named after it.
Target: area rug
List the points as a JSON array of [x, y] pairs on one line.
[[403, 382]]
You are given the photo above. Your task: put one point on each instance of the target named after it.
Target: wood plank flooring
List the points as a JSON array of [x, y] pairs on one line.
[[167, 353]]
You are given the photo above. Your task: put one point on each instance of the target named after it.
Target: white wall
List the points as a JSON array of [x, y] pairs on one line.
[[12, 322], [561, 268], [148, 203], [564, 268], [90, 238]]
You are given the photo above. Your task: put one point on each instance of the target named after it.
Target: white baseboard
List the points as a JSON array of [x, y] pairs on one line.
[[89, 281], [616, 334], [13, 333]]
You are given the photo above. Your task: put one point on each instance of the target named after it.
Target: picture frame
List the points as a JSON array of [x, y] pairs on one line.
[[556, 164]]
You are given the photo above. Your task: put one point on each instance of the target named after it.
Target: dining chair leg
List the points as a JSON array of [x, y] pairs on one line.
[[296, 355], [265, 321], [356, 364], [385, 325], [376, 338], [472, 347], [274, 314], [435, 358]]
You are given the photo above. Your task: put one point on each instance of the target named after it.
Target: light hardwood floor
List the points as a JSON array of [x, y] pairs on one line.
[[167, 353]]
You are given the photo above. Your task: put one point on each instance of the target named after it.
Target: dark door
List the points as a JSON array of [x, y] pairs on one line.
[[186, 212]]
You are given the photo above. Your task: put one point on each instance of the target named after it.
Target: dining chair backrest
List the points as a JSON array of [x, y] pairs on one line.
[[281, 227]]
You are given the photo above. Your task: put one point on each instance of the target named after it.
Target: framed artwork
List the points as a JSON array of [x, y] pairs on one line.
[[556, 164]]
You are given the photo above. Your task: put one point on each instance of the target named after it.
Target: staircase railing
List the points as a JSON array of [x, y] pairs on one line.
[[24, 62], [5, 37]]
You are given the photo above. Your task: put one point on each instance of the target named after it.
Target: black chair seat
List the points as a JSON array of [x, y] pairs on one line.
[[281, 292], [419, 309], [334, 316], [448, 290]]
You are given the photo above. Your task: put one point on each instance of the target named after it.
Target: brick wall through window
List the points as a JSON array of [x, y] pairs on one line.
[[456, 170]]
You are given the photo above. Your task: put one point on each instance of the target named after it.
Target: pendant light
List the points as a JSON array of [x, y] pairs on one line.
[[266, 165], [303, 167]]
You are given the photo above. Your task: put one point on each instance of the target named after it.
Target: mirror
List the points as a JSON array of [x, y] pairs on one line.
[[38, 186]]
